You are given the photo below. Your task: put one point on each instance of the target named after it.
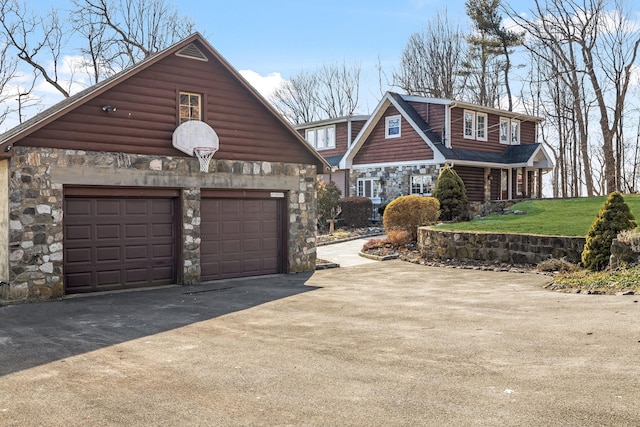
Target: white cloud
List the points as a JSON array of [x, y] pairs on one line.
[[266, 85]]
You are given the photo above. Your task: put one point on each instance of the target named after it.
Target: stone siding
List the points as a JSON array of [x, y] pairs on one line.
[[507, 248], [37, 177], [395, 180]]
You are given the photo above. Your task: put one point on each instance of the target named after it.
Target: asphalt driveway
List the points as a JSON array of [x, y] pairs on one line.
[[380, 344]]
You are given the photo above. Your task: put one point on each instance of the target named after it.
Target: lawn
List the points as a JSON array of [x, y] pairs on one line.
[[558, 217]]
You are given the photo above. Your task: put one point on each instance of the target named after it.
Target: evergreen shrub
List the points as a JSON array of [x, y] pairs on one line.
[[614, 217], [452, 194]]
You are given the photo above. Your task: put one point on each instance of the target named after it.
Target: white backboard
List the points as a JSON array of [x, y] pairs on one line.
[[193, 134]]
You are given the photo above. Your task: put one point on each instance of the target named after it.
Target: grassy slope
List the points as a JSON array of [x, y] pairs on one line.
[[559, 217]]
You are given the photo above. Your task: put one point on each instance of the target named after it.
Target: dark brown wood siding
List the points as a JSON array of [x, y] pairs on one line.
[[147, 115], [527, 133], [433, 114], [356, 127], [378, 149], [473, 179]]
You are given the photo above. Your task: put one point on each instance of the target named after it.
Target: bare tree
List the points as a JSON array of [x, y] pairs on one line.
[[8, 68], [296, 98], [594, 40], [38, 41], [120, 33], [339, 89], [432, 61], [328, 92]]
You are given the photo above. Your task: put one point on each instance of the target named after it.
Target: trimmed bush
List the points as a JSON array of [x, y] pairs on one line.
[[407, 213], [398, 238], [613, 218], [452, 194], [328, 207], [356, 211]]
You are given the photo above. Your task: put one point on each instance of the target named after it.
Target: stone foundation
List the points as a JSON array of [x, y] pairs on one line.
[[37, 177], [395, 181], [506, 248]]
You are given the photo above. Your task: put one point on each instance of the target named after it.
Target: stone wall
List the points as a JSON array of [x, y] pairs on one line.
[[35, 199], [395, 180], [505, 248]]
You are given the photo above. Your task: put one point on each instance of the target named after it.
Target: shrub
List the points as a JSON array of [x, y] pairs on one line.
[[409, 212], [613, 218], [373, 244], [398, 238], [452, 194], [328, 208], [557, 264], [356, 211]]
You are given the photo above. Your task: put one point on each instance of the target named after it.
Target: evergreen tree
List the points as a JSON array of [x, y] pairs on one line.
[[613, 218], [452, 194]]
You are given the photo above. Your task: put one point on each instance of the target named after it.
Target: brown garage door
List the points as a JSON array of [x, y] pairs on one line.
[[119, 242], [240, 237]]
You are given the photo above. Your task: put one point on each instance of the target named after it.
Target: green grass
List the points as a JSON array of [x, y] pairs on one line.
[[556, 217]]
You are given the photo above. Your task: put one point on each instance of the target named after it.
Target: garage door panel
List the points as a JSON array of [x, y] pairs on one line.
[[107, 231], [119, 243], [106, 207], [234, 232]]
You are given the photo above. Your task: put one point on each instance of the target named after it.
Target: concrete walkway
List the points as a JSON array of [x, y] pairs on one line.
[[345, 253]]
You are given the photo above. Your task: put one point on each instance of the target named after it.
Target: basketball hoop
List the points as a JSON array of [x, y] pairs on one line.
[[204, 155]]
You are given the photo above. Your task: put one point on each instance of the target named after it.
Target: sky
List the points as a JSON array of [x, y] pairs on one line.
[[268, 41]]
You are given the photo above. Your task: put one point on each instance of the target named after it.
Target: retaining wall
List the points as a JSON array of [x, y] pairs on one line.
[[507, 248]]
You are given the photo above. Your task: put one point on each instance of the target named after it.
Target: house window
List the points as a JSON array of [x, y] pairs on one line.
[[509, 131], [469, 124], [368, 187], [504, 131], [421, 184], [515, 132], [519, 181], [481, 126], [392, 127], [190, 106], [321, 138]]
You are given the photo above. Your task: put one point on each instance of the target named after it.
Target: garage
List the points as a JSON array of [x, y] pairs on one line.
[[119, 239], [241, 234]]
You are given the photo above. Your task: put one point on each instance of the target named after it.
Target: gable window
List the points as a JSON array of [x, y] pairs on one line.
[[392, 127], [469, 124], [368, 187], [481, 126], [515, 132], [504, 131], [321, 138], [190, 106], [421, 185], [509, 131]]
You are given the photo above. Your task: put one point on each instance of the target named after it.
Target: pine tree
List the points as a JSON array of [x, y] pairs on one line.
[[452, 194], [613, 218]]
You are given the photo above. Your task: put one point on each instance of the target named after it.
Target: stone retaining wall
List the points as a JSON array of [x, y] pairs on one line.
[[507, 248]]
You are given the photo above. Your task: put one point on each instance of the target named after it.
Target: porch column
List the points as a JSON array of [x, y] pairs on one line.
[[510, 184]]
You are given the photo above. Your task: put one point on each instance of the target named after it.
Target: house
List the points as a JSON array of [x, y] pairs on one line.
[[407, 139], [332, 138], [102, 191]]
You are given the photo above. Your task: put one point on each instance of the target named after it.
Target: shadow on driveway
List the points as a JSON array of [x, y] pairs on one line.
[[39, 333]]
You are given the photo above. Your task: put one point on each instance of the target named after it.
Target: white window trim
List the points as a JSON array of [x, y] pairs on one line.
[[183, 119], [421, 185], [314, 143], [375, 189], [507, 131], [517, 122], [486, 125], [386, 126], [472, 135]]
